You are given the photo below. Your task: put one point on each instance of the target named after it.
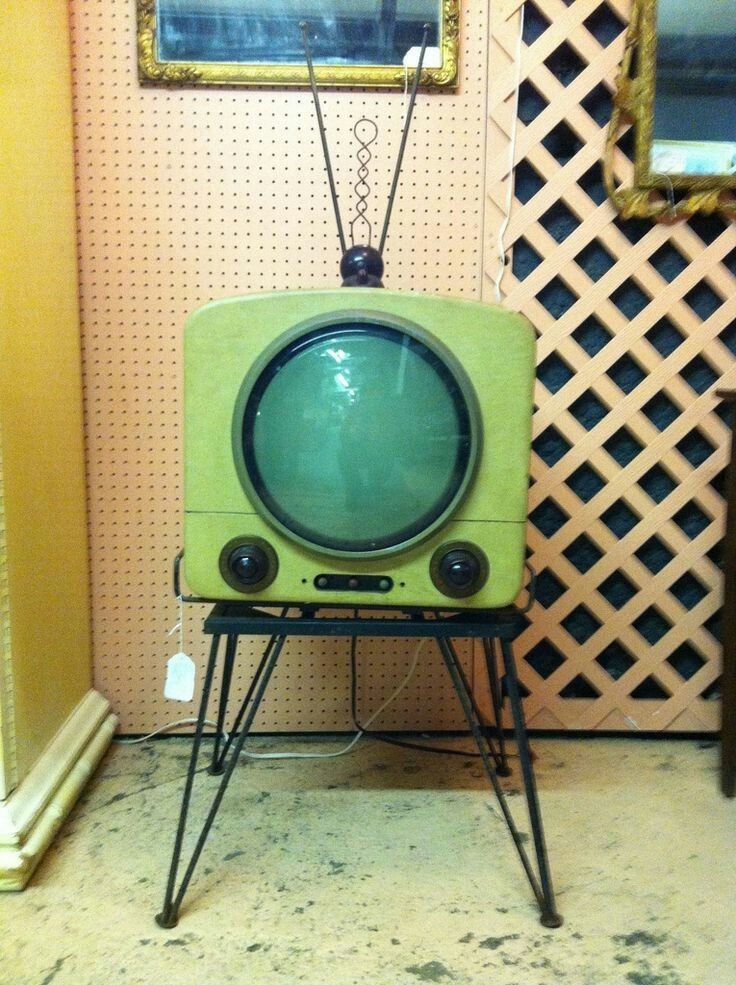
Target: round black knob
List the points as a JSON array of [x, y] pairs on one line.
[[248, 563], [459, 569]]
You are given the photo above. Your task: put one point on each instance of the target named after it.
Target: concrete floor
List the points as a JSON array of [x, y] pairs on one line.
[[389, 867]]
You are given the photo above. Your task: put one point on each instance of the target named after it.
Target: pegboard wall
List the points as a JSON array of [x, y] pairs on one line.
[[190, 194], [185, 195]]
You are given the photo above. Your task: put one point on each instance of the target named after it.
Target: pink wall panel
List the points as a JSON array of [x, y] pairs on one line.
[[185, 195]]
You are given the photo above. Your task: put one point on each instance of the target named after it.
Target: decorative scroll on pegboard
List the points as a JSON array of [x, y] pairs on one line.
[[636, 327]]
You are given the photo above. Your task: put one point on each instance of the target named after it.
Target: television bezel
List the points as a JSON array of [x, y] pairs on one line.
[[369, 317]]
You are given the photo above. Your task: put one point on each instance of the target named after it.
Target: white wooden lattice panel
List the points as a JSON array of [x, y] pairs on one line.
[[636, 329]]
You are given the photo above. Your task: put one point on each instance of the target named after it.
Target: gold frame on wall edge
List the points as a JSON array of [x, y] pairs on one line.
[[652, 195], [152, 71]]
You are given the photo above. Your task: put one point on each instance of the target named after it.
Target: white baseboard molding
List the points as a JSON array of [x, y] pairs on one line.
[[36, 809]]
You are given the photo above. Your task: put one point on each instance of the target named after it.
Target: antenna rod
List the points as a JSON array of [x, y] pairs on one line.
[[323, 136], [404, 136]]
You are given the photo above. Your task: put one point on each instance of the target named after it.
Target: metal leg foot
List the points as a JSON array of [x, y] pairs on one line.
[[551, 920], [167, 919]]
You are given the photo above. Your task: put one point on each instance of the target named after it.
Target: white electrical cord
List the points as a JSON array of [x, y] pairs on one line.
[[351, 745], [670, 188], [500, 247], [165, 728], [179, 625], [293, 755]]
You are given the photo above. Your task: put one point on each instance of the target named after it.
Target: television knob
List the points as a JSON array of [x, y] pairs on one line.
[[248, 565], [459, 569]]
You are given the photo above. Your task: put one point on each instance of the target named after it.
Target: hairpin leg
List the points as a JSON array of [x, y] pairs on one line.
[[164, 917], [500, 764], [550, 917], [169, 915], [543, 893], [235, 731], [503, 768], [227, 674]]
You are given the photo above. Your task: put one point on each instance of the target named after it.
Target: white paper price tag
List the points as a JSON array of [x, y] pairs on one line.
[[179, 684]]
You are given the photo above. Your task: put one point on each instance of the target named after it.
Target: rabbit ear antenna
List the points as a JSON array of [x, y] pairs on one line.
[[404, 136], [361, 265], [303, 26]]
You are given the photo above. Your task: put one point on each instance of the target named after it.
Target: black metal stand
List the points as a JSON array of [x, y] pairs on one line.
[[235, 620]]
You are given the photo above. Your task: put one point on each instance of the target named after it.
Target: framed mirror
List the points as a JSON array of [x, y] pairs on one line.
[[253, 42], [678, 88]]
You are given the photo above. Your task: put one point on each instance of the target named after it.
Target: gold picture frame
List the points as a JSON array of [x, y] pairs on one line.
[[653, 194], [155, 70]]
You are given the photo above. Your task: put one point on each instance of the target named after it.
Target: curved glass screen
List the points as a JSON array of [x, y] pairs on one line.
[[358, 438]]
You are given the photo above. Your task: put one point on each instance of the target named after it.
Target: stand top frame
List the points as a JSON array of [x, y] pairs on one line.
[[237, 618]]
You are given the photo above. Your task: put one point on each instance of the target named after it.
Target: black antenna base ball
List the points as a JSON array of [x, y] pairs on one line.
[[361, 266]]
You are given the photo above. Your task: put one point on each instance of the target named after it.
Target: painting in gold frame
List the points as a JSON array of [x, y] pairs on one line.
[[232, 43], [677, 170]]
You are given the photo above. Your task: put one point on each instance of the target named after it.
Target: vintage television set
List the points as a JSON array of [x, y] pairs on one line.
[[357, 446]]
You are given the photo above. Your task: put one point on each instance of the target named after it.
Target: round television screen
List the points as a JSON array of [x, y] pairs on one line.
[[358, 438]]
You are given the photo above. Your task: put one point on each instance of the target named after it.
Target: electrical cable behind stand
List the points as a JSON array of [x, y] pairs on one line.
[[383, 736]]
